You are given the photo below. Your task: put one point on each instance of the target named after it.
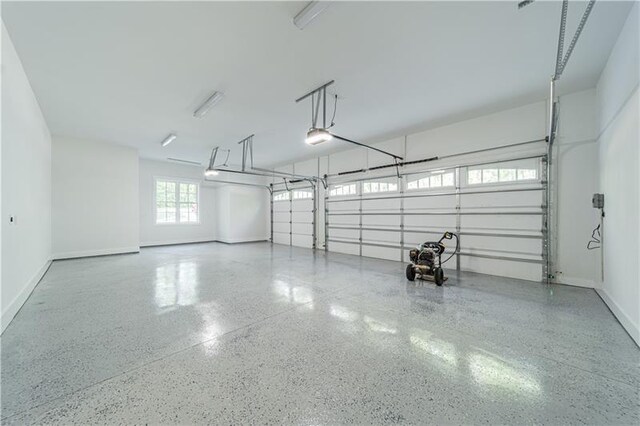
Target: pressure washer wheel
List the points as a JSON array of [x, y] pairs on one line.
[[438, 276], [411, 272]]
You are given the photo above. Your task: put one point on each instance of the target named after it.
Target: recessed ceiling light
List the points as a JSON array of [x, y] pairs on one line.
[[308, 14], [168, 139], [211, 172], [208, 104]]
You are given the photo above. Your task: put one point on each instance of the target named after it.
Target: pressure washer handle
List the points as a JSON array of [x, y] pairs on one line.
[[446, 236]]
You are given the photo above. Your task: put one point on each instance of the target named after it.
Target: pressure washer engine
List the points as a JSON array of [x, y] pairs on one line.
[[426, 260]]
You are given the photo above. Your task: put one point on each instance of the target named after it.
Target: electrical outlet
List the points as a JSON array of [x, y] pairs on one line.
[[598, 201], [12, 220]]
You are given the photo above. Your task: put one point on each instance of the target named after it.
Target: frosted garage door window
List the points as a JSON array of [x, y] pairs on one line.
[[379, 185], [431, 180], [176, 202], [507, 172], [341, 190], [302, 195], [284, 196]]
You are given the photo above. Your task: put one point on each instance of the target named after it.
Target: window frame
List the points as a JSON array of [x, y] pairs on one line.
[[177, 182]]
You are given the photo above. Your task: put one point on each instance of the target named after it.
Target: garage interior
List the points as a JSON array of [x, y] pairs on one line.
[[320, 212]]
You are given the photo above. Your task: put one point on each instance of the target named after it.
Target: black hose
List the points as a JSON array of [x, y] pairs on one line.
[[455, 251], [595, 239]]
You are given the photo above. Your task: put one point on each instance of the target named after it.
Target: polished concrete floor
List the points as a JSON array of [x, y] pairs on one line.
[[255, 333]]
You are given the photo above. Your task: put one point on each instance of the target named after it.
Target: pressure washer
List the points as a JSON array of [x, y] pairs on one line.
[[426, 260]]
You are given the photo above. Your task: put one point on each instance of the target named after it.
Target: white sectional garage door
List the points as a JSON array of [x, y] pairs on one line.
[[293, 213], [497, 209]]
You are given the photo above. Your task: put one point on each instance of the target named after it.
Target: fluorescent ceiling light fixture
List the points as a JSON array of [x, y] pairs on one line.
[[308, 14], [168, 139], [179, 160], [211, 172], [317, 136], [208, 104]]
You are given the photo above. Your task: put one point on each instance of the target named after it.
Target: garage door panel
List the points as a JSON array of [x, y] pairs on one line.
[[281, 227], [515, 246], [422, 203], [344, 248], [382, 236], [344, 220], [524, 198], [302, 217], [302, 206], [513, 222], [381, 252], [382, 204], [281, 216], [446, 223], [353, 205], [281, 206], [383, 220], [302, 228], [302, 241], [415, 238], [512, 269], [279, 238], [344, 233]]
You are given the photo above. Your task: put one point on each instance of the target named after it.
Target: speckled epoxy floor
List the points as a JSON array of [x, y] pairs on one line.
[[255, 333]]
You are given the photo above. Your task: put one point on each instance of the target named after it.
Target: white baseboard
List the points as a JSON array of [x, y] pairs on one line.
[[22, 297], [575, 281], [89, 253], [624, 319], [242, 240], [174, 242]]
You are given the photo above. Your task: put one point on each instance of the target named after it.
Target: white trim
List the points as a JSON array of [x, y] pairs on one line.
[[22, 297], [623, 318], [243, 240], [575, 281], [175, 242], [89, 253]]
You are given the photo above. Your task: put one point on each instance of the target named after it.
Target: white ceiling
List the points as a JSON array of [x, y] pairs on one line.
[[132, 72]]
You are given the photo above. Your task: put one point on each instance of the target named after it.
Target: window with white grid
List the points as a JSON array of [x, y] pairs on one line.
[[176, 202]]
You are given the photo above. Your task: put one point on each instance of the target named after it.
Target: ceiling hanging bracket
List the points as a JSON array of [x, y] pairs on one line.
[[395, 161], [247, 150]]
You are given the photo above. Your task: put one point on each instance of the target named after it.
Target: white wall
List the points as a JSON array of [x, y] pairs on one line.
[[618, 114], [242, 214], [26, 186], [575, 177], [95, 198], [154, 234]]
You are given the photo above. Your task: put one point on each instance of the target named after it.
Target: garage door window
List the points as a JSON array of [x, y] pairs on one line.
[[176, 202], [284, 196], [379, 185], [431, 180], [341, 190], [508, 172], [302, 195]]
